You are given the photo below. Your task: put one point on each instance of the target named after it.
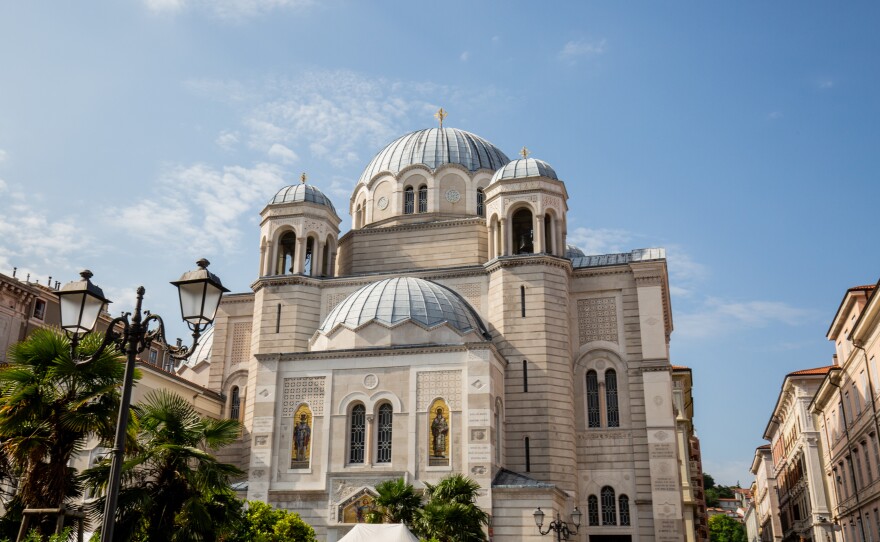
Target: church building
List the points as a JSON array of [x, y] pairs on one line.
[[451, 330]]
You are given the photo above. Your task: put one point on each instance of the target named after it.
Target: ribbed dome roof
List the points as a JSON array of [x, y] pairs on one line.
[[203, 350], [435, 147], [395, 300], [523, 168], [572, 252], [302, 192]]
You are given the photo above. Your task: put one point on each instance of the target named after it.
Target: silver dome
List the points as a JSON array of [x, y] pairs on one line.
[[525, 167], [572, 252], [395, 300], [202, 352], [435, 147], [302, 192]]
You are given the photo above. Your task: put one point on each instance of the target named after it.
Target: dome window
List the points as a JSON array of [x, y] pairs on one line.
[[408, 200], [423, 199], [481, 198]]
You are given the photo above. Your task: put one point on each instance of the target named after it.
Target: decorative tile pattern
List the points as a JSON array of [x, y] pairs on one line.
[[241, 342], [432, 384], [309, 389], [597, 319]]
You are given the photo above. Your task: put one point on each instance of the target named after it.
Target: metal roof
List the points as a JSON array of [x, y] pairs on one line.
[[395, 300], [523, 168], [302, 192], [433, 148]]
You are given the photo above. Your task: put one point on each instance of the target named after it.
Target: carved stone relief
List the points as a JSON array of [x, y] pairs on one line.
[[308, 390], [597, 319]]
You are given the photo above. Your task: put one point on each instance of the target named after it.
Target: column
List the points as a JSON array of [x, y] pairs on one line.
[[318, 259], [505, 238], [492, 228], [299, 258], [538, 241]]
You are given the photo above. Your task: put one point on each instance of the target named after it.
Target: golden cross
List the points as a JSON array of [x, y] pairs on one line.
[[302, 178], [440, 115], [524, 152]]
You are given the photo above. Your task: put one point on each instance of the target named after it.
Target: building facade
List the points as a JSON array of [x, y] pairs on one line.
[[797, 466], [696, 519], [846, 412], [765, 496], [452, 330]]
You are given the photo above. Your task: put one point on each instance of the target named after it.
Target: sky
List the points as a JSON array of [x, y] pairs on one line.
[[138, 136]]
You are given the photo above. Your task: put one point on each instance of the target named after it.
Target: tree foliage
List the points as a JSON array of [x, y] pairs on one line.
[[263, 523], [397, 503], [49, 406], [173, 488], [726, 529], [714, 492]]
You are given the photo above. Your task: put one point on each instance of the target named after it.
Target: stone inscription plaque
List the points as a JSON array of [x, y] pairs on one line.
[[263, 424], [479, 416], [479, 453]]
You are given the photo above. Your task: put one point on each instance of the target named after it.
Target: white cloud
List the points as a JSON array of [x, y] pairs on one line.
[[774, 115], [198, 208], [465, 56], [715, 317], [280, 152], [34, 240], [226, 9], [601, 240], [575, 49], [3, 156], [227, 140], [825, 84]]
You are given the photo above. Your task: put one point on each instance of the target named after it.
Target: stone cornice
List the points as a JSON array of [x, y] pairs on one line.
[[527, 259], [243, 297], [367, 278], [380, 352], [299, 209], [507, 187], [620, 269], [381, 174], [477, 220]]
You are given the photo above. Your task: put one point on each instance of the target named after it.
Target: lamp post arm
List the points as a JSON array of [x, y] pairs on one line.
[[112, 336], [175, 352]]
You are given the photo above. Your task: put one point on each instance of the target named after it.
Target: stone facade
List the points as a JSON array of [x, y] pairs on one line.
[[543, 377]]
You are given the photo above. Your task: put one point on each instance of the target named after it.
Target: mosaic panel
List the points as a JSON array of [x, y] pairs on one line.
[[241, 342], [445, 384], [309, 389], [597, 319]]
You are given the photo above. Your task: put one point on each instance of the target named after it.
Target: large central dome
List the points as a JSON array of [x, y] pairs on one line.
[[433, 148]]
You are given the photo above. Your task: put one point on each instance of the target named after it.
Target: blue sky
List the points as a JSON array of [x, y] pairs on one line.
[[137, 136]]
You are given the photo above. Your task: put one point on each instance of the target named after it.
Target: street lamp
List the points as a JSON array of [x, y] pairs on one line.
[[561, 528], [81, 303]]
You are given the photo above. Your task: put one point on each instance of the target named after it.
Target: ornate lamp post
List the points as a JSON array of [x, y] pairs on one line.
[[81, 303], [561, 528]]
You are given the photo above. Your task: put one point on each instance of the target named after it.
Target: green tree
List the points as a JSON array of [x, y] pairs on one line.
[[451, 513], [397, 503], [726, 529], [173, 488], [49, 406], [708, 481], [263, 523]]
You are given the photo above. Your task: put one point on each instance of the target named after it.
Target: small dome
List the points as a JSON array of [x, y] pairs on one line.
[[433, 148], [572, 252], [302, 192], [202, 352], [523, 168], [395, 300]]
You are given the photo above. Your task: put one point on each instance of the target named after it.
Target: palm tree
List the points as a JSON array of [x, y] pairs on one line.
[[173, 488], [49, 406], [397, 503], [451, 513]]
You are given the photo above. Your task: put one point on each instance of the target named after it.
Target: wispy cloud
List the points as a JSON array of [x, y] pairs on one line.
[[601, 240], [3, 156], [465, 56], [774, 115], [33, 240], [227, 140], [825, 83], [282, 153], [197, 208], [575, 49], [225, 9], [715, 317]]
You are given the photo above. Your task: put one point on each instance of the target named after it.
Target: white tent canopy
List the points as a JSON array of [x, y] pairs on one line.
[[365, 532]]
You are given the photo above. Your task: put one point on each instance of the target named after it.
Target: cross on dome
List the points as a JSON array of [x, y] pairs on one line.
[[524, 152], [440, 115], [303, 177]]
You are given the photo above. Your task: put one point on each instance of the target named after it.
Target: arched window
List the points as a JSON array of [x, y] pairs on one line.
[[548, 234], [235, 404], [592, 399], [383, 441], [593, 510], [423, 199], [408, 200], [286, 250], [308, 264], [357, 434], [613, 414], [358, 217], [523, 228], [528, 456], [325, 260], [609, 509], [624, 510], [481, 198]]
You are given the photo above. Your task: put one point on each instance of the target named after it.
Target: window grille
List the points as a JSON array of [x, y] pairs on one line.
[[481, 198], [357, 434], [423, 199], [624, 510], [609, 510], [383, 448], [235, 404], [408, 200], [592, 399], [593, 510], [613, 414]]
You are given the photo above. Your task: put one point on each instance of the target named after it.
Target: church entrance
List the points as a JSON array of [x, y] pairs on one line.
[[610, 538]]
